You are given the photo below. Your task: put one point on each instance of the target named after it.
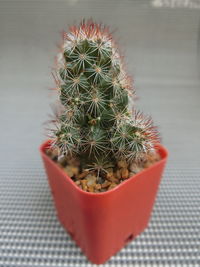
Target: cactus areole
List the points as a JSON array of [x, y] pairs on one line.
[[97, 121], [97, 144]]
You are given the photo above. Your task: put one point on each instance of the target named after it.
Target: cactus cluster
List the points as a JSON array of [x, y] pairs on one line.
[[97, 122]]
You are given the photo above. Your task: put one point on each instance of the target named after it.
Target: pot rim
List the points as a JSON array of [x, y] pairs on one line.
[[159, 147]]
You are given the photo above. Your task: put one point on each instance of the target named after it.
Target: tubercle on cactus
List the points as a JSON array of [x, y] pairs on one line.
[[96, 121]]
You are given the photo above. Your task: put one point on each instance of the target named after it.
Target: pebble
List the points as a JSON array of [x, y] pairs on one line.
[[109, 170], [68, 170], [75, 170], [54, 153], [91, 179], [83, 183], [97, 186], [49, 152], [122, 164], [62, 161], [109, 174], [118, 174], [83, 174], [147, 164], [113, 185], [152, 157], [91, 188], [74, 162], [134, 168], [124, 173], [112, 179], [105, 184]]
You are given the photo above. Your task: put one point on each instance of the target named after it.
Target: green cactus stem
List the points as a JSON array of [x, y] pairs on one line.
[[97, 122]]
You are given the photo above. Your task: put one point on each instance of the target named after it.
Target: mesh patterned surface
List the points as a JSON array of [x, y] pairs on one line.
[[163, 51], [32, 236]]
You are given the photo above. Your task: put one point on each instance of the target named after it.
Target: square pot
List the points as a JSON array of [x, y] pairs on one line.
[[103, 223]]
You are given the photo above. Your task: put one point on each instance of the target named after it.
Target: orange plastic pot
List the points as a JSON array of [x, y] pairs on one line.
[[103, 223]]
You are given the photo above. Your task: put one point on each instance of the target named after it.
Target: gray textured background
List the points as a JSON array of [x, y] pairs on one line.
[[161, 40]]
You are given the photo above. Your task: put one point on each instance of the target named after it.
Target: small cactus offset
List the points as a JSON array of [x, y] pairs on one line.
[[97, 122]]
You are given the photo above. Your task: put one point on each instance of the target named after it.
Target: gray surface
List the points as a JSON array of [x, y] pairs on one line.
[[162, 46]]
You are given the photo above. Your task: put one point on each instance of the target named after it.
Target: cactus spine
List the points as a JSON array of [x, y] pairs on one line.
[[97, 123]]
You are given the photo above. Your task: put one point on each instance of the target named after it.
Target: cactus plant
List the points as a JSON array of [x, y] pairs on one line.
[[97, 122]]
